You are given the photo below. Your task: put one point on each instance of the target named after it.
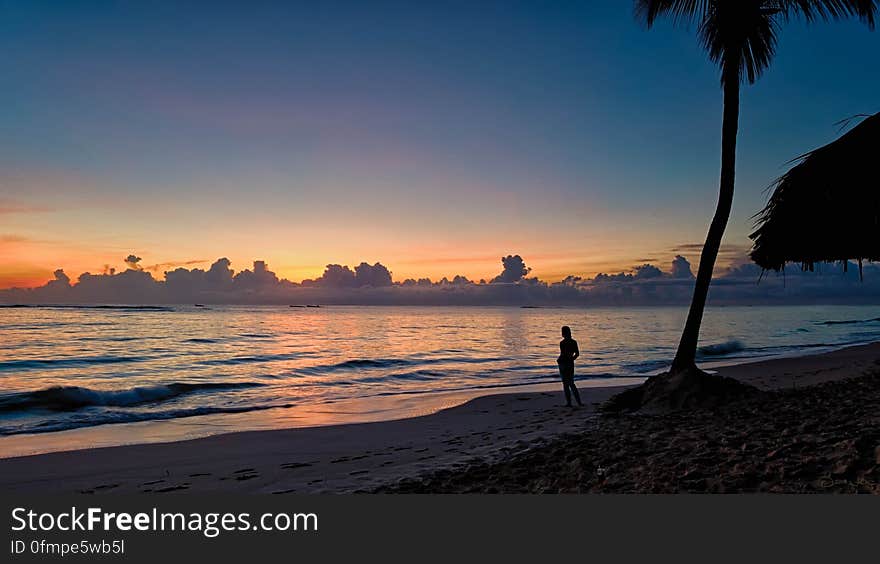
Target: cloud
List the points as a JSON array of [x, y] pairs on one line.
[[681, 268], [375, 276], [645, 284], [132, 262], [363, 275], [727, 253], [163, 265], [513, 270], [254, 280], [647, 272], [183, 285], [60, 278], [335, 276]]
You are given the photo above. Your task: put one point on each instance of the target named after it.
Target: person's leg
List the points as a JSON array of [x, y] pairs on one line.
[[563, 373], [574, 390]]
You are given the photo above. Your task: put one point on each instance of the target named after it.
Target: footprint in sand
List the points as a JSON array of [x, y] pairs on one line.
[[102, 487], [295, 465], [173, 488]]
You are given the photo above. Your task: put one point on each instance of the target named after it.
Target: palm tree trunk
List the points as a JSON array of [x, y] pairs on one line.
[[685, 357]]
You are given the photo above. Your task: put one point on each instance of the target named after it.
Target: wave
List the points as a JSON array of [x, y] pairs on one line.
[[102, 307], [252, 359], [115, 339], [849, 321], [647, 366], [113, 417], [36, 363], [719, 349], [392, 362], [367, 363], [729, 349], [855, 339], [69, 398], [415, 375]]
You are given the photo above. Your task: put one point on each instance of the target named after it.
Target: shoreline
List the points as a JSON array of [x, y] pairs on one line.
[[353, 411], [366, 409], [364, 456]]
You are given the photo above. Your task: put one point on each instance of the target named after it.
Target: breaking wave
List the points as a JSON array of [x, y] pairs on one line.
[[718, 349], [67, 398]]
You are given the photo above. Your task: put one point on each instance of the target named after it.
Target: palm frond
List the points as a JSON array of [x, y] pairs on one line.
[[681, 11], [741, 37], [812, 10]]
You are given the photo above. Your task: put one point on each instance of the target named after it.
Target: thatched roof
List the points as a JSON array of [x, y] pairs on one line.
[[827, 207]]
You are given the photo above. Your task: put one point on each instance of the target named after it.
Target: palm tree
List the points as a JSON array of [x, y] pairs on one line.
[[740, 37]]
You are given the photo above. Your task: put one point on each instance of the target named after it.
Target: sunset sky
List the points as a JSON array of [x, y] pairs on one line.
[[433, 138]]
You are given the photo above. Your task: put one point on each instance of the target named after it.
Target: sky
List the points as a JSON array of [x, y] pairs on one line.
[[433, 137]]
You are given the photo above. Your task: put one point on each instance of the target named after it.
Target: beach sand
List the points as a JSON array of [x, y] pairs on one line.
[[816, 429]]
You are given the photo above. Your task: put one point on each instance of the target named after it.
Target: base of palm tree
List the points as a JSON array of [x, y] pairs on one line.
[[691, 388]]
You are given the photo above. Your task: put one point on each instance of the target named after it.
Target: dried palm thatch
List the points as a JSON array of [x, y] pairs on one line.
[[827, 207]]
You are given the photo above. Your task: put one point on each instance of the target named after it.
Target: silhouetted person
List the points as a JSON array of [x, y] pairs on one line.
[[568, 351]]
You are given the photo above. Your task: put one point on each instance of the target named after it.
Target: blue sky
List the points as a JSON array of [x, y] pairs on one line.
[[433, 137]]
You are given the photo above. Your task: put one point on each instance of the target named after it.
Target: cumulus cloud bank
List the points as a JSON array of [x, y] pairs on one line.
[[645, 284]]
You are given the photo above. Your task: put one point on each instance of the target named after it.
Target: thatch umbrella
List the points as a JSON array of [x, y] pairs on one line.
[[827, 207]]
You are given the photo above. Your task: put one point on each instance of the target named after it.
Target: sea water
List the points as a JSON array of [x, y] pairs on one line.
[[66, 367]]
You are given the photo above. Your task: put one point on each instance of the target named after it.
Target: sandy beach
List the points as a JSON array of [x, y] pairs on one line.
[[814, 430]]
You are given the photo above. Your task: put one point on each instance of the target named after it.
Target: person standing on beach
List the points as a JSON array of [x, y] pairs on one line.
[[568, 352]]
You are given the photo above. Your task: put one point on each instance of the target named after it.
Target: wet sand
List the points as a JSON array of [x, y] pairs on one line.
[[816, 429]]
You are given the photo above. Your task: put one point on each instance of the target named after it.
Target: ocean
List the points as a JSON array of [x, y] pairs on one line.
[[68, 367]]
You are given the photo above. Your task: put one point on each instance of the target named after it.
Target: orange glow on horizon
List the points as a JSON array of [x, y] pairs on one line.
[[21, 275]]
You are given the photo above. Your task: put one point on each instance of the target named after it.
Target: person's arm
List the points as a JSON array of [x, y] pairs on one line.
[[576, 352]]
